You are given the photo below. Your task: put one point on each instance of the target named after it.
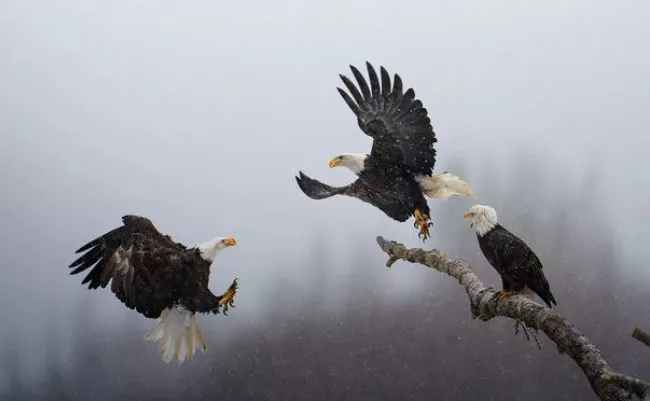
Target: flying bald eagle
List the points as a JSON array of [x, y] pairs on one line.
[[518, 266], [397, 174], [159, 278]]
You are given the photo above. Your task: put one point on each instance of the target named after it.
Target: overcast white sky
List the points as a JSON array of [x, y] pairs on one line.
[[198, 114]]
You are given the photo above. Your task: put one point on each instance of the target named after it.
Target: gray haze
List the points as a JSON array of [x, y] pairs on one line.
[[198, 115]]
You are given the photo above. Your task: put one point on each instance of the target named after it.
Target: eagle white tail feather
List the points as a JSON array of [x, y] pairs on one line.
[[179, 335], [445, 185]]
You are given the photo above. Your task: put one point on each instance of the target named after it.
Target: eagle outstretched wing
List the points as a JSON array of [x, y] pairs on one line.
[[397, 122], [316, 189], [133, 256], [394, 204]]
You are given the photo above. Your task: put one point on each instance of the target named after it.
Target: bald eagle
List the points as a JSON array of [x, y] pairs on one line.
[[397, 174], [518, 266], [159, 278]]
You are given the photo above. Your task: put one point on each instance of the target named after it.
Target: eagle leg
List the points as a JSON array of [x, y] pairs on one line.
[[422, 222], [228, 298], [503, 294]]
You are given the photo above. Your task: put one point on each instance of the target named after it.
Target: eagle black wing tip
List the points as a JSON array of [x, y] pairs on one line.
[[300, 179], [346, 80], [89, 245]]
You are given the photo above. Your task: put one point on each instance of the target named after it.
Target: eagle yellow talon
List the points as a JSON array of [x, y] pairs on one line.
[[422, 222], [228, 298], [503, 294]]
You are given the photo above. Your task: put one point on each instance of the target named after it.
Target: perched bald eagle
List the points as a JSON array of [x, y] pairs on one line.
[[159, 278], [397, 174], [518, 266]]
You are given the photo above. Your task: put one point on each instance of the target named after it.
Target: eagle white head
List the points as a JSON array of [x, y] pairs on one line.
[[210, 249], [482, 218], [353, 161]]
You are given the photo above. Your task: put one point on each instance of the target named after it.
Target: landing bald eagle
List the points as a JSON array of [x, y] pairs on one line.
[[159, 278], [516, 263], [396, 175]]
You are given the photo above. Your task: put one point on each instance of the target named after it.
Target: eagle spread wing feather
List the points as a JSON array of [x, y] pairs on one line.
[[159, 278], [392, 203], [316, 189], [131, 257], [402, 148], [397, 122]]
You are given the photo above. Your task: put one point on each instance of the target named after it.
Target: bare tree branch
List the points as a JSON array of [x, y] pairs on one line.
[[607, 384], [641, 336]]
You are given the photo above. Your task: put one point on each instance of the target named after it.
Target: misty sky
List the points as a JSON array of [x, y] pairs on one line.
[[199, 114]]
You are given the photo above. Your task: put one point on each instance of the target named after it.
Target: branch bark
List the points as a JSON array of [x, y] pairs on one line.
[[607, 384], [641, 336]]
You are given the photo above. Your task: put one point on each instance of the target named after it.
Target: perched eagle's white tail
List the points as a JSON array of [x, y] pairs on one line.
[[179, 335], [445, 185]]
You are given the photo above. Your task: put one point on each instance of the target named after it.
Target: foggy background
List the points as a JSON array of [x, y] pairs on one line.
[[199, 114]]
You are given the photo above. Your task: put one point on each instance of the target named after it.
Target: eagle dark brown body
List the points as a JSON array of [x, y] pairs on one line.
[[159, 278]]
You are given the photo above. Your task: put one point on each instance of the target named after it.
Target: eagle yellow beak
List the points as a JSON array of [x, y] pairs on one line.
[[335, 162], [469, 215], [230, 241]]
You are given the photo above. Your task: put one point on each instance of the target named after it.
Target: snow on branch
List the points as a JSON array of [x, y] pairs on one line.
[[607, 384], [641, 336]]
